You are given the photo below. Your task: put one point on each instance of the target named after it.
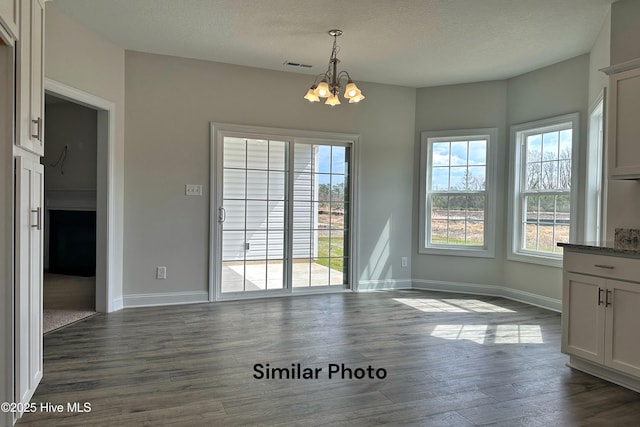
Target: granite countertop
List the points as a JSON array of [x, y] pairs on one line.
[[626, 243], [605, 248]]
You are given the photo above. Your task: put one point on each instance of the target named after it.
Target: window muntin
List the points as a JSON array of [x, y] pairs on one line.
[[456, 195], [543, 205], [546, 189]]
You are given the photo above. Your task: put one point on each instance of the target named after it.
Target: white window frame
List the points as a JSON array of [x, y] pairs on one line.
[[427, 139], [517, 173], [595, 187]]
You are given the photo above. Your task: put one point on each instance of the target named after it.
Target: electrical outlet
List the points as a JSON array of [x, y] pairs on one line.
[[193, 190], [161, 272], [405, 262]]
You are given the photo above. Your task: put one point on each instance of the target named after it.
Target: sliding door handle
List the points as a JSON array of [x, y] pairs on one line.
[[38, 134], [38, 224], [222, 215]]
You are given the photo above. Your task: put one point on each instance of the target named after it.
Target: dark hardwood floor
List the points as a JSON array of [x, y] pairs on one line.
[[449, 359]]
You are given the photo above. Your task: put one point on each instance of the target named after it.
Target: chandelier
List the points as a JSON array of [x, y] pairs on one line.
[[329, 87]]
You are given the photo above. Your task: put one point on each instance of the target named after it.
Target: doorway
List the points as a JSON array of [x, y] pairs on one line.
[[283, 212], [108, 269], [70, 162]]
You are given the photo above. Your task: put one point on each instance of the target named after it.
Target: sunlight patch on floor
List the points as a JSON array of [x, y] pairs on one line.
[[452, 305], [478, 306], [485, 334], [475, 333], [518, 334]]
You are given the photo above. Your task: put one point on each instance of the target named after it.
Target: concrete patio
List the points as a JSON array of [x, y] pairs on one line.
[[261, 275]]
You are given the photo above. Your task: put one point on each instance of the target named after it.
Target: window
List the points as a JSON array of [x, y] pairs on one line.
[[542, 201], [594, 211], [456, 197]]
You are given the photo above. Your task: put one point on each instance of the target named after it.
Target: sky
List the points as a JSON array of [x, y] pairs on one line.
[[451, 160], [331, 159]]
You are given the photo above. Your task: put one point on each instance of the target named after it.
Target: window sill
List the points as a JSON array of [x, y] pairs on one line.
[[461, 252], [535, 259]]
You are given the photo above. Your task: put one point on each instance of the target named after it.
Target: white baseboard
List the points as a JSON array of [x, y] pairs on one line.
[[169, 298], [489, 290], [378, 285], [117, 304], [172, 298]]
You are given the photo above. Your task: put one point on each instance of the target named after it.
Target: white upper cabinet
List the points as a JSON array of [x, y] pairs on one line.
[[624, 120], [10, 16], [30, 78]]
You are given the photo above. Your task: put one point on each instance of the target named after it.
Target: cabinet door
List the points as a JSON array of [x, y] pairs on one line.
[[30, 75], [28, 276], [623, 320], [9, 10], [37, 75], [624, 126], [583, 316]]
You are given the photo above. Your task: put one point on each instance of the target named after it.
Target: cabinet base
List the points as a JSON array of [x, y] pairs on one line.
[[605, 373]]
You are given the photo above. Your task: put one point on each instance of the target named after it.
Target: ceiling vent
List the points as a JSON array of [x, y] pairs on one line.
[[296, 64]]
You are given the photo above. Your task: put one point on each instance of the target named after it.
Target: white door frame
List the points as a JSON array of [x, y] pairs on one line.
[[106, 229], [7, 123]]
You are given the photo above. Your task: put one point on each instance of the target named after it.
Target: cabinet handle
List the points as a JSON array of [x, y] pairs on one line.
[[38, 123], [608, 267], [600, 296], [38, 224], [607, 302]]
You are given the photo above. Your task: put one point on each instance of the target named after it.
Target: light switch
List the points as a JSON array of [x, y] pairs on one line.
[[193, 190]]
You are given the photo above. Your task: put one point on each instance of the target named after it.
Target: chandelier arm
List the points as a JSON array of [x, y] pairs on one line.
[[319, 76], [343, 73], [331, 80]]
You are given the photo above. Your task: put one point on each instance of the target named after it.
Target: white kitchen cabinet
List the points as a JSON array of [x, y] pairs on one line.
[[29, 225], [623, 124], [10, 16], [30, 78], [622, 346], [583, 317], [601, 314]]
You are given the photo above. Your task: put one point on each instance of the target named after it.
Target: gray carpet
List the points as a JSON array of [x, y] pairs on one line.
[[56, 318], [67, 299]]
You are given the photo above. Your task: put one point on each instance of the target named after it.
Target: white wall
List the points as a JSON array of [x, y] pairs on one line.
[[169, 104], [170, 101], [555, 90], [79, 58], [599, 81], [559, 89], [623, 201], [598, 59], [466, 106], [75, 126]]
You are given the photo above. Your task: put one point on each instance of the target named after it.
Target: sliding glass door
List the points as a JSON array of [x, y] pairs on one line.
[[320, 243], [283, 211], [252, 215]]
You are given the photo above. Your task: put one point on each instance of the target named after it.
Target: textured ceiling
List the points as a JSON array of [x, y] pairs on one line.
[[415, 43]]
